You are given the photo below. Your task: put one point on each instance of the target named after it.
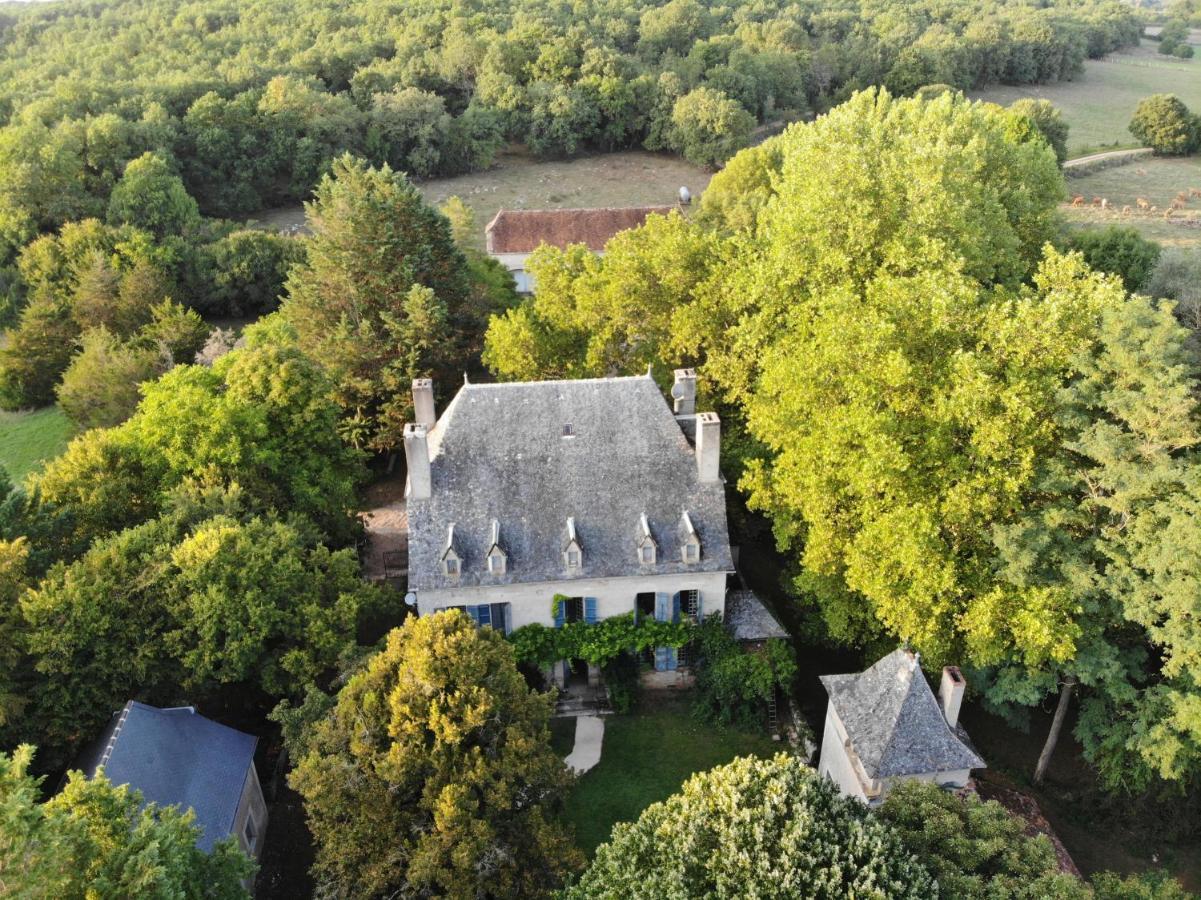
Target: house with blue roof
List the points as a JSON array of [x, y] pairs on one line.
[[177, 757]]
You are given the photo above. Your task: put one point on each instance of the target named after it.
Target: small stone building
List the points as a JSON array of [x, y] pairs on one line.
[[513, 234], [176, 757], [885, 725], [595, 490]]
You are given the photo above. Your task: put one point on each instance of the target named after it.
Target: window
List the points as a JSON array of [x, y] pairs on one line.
[[573, 559], [691, 552], [648, 554], [451, 565], [574, 609], [644, 606], [690, 604], [496, 564], [568, 430], [250, 831]]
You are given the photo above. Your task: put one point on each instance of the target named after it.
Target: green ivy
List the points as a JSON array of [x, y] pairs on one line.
[[597, 643], [734, 684]]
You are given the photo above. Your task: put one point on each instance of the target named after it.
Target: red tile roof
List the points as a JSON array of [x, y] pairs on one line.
[[524, 230]]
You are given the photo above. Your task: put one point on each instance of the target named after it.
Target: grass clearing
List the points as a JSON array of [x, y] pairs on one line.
[[646, 756], [518, 181], [1098, 105], [27, 439], [1153, 179]]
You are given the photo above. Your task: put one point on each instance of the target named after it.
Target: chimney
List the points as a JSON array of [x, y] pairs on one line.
[[417, 455], [683, 392], [950, 692], [423, 402], [708, 446]]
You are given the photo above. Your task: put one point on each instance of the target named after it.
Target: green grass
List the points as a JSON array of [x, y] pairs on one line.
[[518, 181], [1098, 105], [1156, 180], [645, 758], [27, 439]]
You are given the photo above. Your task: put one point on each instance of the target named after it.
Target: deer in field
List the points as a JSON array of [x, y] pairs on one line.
[[1142, 203], [1078, 200]]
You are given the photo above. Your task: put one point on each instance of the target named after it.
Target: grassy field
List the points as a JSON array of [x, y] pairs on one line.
[[27, 439], [646, 756], [1155, 180], [1098, 106], [517, 181]]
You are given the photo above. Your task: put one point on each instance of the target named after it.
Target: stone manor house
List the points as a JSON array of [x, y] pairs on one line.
[[596, 490]]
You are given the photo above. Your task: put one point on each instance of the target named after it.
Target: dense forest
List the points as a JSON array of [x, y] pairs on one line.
[[250, 101]]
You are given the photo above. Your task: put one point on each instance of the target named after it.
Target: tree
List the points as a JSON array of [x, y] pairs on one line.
[[755, 827], [1046, 121], [35, 353], [1119, 251], [152, 197], [433, 773], [741, 188], [249, 271], [1177, 276], [96, 839], [1163, 123], [708, 127], [14, 556], [100, 387], [375, 243], [976, 849]]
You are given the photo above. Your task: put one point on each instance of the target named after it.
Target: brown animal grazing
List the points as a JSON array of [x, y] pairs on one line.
[[1140, 171], [1126, 210], [1153, 210], [1194, 192], [1176, 204], [1167, 213], [1078, 200], [1104, 203], [1142, 203], [1097, 201], [1182, 196]]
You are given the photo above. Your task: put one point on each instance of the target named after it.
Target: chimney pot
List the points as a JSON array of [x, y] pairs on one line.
[[950, 693], [708, 446], [423, 402], [417, 457], [683, 392]]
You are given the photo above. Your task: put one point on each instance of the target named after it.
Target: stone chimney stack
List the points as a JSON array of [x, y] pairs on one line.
[[950, 693], [683, 392], [417, 455], [708, 446], [423, 402]]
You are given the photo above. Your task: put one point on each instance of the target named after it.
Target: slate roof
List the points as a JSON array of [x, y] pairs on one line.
[[524, 230], [749, 620], [895, 723], [499, 451], [176, 757]]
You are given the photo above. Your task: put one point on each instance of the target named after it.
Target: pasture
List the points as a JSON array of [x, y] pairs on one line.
[[1155, 181], [518, 181], [1098, 105], [28, 439]]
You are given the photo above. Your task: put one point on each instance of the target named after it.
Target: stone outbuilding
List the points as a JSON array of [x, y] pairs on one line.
[[177, 757], [885, 725]]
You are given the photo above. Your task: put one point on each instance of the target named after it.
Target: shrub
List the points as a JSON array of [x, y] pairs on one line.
[[735, 684], [1163, 123], [1118, 251]]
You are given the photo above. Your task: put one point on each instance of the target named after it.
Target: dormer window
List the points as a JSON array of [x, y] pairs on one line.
[[645, 543], [573, 552], [497, 558], [690, 541], [452, 559]]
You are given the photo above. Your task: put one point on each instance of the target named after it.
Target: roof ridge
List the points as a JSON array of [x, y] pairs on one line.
[[645, 376]]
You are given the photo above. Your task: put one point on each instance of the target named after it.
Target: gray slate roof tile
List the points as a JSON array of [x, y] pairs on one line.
[[177, 757], [499, 451], [894, 721]]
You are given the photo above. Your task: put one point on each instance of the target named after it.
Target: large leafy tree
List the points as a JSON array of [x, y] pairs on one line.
[[152, 197], [755, 827], [381, 297], [97, 840], [1163, 123], [433, 774]]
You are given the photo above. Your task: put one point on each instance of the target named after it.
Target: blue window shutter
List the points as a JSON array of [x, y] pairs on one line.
[[675, 607], [500, 617], [661, 659], [560, 613], [671, 659], [662, 605], [590, 610], [700, 612], [483, 615]]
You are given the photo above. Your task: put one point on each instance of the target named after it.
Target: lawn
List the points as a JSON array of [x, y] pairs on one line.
[[1099, 104], [646, 757], [518, 181], [1156, 180], [27, 439]]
